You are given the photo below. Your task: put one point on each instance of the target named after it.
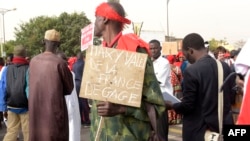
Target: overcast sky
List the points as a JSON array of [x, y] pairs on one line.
[[219, 19]]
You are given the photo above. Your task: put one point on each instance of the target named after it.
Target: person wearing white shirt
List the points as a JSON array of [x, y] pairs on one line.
[[162, 71], [162, 67]]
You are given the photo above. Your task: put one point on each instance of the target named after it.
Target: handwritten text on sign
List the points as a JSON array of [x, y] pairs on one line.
[[113, 75]]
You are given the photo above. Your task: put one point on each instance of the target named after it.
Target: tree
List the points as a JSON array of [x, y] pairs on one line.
[[31, 34], [9, 47], [114, 1], [213, 43], [239, 44]]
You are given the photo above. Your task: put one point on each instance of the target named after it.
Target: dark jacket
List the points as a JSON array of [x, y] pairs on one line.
[[78, 70], [200, 99]]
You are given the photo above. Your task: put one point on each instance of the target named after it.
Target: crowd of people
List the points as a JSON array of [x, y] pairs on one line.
[[41, 98]]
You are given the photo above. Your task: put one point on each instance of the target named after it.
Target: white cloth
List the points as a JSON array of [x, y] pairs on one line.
[[242, 62], [73, 114], [162, 71], [211, 54], [2, 71]]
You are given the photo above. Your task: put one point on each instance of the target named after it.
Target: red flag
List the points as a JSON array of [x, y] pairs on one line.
[[244, 116]]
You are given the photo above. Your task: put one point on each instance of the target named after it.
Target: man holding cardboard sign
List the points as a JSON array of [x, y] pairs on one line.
[[120, 121]]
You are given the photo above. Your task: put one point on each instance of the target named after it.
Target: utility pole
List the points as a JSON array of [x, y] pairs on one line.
[[167, 21], [3, 11]]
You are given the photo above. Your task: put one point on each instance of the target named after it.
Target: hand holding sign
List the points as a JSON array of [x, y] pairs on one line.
[[107, 109]]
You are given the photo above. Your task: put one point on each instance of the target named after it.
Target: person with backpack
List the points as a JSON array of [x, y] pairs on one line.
[[13, 98]]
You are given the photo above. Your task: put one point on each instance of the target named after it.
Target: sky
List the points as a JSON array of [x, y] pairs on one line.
[[220, 19]]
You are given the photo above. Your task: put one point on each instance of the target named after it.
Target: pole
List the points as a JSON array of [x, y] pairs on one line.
[[3, 11], [3, 36], [167, 22]]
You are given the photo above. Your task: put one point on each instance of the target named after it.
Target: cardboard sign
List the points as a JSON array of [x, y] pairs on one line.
[[169, 48], [87, 36], [113, 75]]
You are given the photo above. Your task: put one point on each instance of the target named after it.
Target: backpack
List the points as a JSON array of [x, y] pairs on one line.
[[15, 85]]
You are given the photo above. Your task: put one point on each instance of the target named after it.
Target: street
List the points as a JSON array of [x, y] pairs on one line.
[[175, 133]]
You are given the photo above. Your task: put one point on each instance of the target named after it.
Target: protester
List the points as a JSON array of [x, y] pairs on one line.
[[9, 59], [2, 63], [176, 80], [124, 123], [71, 61], [78, 68], [49, 81], [13, 97], [199, 104], [162, 71], [207, 46], [220, 52], [234, 54], [242, 68], [179, 59], [73, 109]]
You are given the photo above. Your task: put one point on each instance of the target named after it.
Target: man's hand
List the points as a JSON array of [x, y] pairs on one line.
[[108, 109], [168, 105]]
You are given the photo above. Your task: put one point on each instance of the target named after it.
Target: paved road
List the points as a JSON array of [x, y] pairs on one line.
[[175, 133]]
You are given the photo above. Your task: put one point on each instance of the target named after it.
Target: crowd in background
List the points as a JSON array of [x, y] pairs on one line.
[[53, 77]]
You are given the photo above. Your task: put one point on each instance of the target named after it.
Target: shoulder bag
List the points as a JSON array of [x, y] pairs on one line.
[[214, 136]]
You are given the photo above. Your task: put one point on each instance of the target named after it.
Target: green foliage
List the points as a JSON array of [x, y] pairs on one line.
[[31, 34], [213, 43], [9, 46]]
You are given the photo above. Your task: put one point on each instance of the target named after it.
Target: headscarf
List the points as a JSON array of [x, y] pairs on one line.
[[71, 62], [171, 59], [105, 10]]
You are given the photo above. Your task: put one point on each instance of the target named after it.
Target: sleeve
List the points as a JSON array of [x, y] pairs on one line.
[[78, 70], [189, 94], [151, 93], [3, 97], [67, 78], [27, 83], [164, 73]]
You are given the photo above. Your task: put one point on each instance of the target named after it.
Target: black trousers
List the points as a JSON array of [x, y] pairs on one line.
[[162, 124]]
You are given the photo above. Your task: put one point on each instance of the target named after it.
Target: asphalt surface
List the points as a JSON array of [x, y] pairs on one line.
[[175, 133]]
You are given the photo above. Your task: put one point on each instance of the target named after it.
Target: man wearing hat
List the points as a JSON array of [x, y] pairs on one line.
[[13, 97], [49, 81], [122, 122]]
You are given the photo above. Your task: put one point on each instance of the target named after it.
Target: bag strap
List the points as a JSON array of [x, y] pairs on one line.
[[152, 116], [220, 95]]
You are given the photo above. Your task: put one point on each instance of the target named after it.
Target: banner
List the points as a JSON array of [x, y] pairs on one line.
[[87, 36], [169, 48]]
